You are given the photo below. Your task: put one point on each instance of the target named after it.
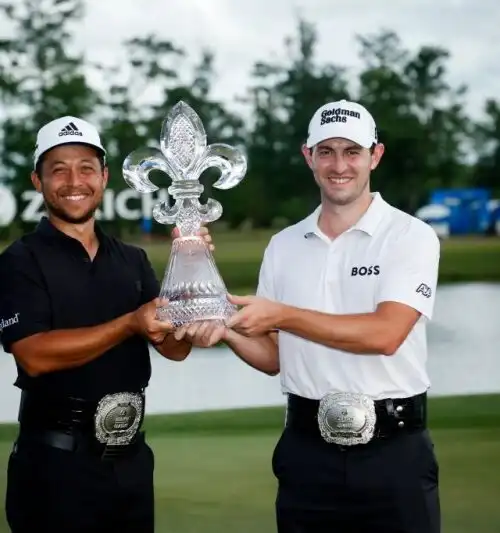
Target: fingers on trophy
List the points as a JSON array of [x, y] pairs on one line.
[[192, 283]]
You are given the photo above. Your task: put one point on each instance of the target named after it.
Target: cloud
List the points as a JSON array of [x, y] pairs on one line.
[[240, 34]]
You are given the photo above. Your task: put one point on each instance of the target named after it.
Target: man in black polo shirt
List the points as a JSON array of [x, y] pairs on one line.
[[78, 311]]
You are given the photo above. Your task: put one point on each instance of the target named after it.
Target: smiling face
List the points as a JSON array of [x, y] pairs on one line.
[[72, 180], [342, 169]]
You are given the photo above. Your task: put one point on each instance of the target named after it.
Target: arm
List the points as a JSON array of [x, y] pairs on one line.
[[62, 349], [29, 338], [260, 353], [37, 348], [380, 332]]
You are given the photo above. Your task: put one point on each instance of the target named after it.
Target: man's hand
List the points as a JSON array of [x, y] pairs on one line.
[[202, 334], [257, 316], [146, 323], [202, 233]]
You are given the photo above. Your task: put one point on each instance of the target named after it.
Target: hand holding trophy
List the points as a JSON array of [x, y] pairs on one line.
[[192, 283]]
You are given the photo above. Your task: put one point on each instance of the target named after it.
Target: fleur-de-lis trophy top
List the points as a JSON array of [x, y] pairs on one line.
[[184, 156], [192, 284]]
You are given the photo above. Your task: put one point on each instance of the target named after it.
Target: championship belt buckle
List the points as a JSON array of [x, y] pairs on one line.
[[118, 418], [346, 418]]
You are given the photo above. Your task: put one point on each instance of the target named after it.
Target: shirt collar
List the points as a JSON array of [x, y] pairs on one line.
[[46, 228], [367, 223]]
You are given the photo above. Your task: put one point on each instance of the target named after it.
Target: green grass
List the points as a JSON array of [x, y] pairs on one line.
[[213, 469], [470, 259]]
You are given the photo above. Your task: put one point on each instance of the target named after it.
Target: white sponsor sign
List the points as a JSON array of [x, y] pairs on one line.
[[8, 206], [126, 204]]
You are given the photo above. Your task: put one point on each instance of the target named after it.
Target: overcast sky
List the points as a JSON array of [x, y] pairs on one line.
[[242, 32]]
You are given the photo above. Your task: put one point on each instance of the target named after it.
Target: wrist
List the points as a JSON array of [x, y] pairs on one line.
[[284, 316], [229, 336], [131, 323]]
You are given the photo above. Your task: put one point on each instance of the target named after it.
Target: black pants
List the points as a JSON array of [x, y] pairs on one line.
[[386, 486], [58, 491]]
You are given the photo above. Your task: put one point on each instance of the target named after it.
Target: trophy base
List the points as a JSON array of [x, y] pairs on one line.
[[187, 311]]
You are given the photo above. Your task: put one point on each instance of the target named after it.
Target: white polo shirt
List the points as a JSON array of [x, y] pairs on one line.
[[387, 256]]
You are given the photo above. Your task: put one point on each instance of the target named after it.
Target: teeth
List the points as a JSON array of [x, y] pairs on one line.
[[340, 180], [76, 197]]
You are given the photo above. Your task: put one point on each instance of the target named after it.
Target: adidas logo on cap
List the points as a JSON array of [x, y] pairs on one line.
[[66, 130], [70, 129]]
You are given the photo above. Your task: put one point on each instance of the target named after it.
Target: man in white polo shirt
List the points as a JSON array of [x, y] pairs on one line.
[[341, 311]]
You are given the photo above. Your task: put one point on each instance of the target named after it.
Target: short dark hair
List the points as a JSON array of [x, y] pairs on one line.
[[100, 156]]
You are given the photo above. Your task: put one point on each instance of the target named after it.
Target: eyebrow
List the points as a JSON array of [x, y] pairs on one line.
[[61, 162], [352, 146]]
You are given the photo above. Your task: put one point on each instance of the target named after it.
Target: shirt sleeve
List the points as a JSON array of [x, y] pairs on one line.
[[150, 284], [410, 271], [25, 307], [266, 286]]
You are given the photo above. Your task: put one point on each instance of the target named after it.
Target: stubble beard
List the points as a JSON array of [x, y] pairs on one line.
[[61, 214]]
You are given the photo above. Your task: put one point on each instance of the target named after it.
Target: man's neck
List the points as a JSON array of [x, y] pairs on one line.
[[85, 233], [336, 219]]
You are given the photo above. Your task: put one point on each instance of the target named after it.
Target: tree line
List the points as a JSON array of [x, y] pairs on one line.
[[430, 139]]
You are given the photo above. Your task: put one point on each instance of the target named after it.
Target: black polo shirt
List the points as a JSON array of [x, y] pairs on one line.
[[48, 282]]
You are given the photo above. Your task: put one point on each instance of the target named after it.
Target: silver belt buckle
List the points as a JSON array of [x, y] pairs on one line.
[[118, 418], [346, 418]]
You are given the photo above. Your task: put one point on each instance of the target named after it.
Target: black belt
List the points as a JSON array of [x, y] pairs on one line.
[[393, 415], [38, 410], [78, 443], [66, 423]]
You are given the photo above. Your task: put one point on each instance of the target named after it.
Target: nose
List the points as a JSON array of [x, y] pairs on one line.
[[73, 176], [338, 165]]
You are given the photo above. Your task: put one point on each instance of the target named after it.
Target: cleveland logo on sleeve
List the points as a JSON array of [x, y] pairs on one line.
[[6, 322]]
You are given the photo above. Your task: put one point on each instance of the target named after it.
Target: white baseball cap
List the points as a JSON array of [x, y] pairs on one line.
[[66, 130], [344, 119]]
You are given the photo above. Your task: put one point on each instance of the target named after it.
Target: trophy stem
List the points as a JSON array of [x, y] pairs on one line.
[[188, 217]]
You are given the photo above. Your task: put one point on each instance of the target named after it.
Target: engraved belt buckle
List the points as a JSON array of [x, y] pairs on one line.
[[118, 418], [346, 418]]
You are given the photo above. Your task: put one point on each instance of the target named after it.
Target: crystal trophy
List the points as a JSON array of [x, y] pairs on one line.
[[192, 283]]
